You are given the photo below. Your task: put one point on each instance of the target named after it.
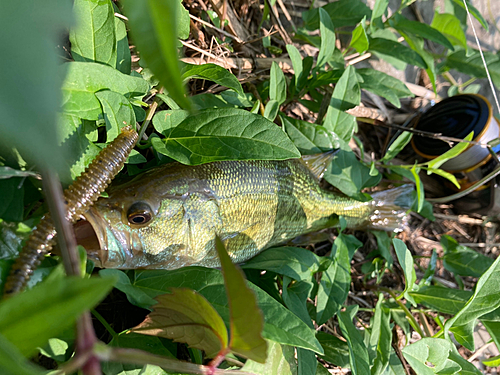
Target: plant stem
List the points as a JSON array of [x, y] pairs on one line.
[[104, 323]]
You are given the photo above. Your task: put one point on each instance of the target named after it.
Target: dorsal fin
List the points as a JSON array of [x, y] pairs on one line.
[[318, 163]]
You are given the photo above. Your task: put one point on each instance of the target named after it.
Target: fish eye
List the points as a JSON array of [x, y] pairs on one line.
[[139, 213]]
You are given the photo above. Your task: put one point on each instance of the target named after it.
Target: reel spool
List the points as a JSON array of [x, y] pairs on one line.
[[456, 117]]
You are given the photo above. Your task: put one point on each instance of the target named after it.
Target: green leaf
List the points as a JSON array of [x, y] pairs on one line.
[[471, 63], [467, 262], [383, 245], [280, 324], [395, 148], [294, 262], [346, 95], [434, 351], [295, 296], [28, 116], [406, 261], [153, 25], [336, 350], [280, 361], [443, 300], [327, 31], [29, 319], [348, 174], [213, 73], [450, 27], [450, 154], [381, 337], [309, 138], [485, 299], [271, 110], [358, 354], [123, 57], [227, 134], [335, 281], [12, 361], [11, 237], [475, 13], [183, 21], [379, 9], [12, 199], [245, 317], [186, 316], [419, 186], [421, 30], [277, 84], [342, 12], [307, 363], [8, 172], [94, 38], [383, 85], [450, 177], [297, 65], [359, 40], [163, 121], [227, 99], [117, 111], [397, 51], [83, 80]]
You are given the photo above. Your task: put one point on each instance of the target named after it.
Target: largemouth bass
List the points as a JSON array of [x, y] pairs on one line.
[[169, 216]]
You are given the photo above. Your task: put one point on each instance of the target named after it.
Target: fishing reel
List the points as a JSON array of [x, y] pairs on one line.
[[477, 169]]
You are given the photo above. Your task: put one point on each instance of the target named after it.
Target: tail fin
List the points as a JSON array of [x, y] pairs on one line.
[[390, 208]]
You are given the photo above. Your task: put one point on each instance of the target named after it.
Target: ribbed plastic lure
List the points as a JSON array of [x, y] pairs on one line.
[[84, 191]]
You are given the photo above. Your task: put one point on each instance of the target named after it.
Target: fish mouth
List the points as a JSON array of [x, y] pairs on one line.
[[105, 245]]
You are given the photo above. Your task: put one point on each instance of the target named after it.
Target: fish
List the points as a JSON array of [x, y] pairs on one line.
[[169, 217]]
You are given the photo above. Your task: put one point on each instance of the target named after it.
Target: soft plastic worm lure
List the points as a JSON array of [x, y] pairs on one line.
[[84, 191]]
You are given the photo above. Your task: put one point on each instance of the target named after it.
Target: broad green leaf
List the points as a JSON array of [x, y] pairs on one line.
[[450, 154], [309, 138], [31, 31], [346, 95], [475, 13], [325, 78], [492, 362], [467, 262], [271, 110], [29, 319], [280, 361], [342, 12], [421, 30], [153, 25], [443, 300], [295, 296], [384, 245], [294, 262], [406, 262], [94, 37], [83, 80], [163, 121], [123, 57], [383, 85], [485, 299], [277, 84], [186, 316], [227, 134], [358, 354], [245, 317], [449, 26], [336, 350], [348, 174], [11, 237], [327, 31], [434, 351], [227, 99], [395, 366], [183, 21], [12, 199], [57, 349], [471, 63], [388, 34], [12, 361], [280, 324], [297, 65], [117, 112], [335, 281], [381, 337], [379, 9], [307, 363], [136, 296], [450, 177], [214, 73], [395, 148], [359, 40], [397, 51]]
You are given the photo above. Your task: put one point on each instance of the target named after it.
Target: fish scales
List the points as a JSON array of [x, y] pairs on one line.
[[250, 205]]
